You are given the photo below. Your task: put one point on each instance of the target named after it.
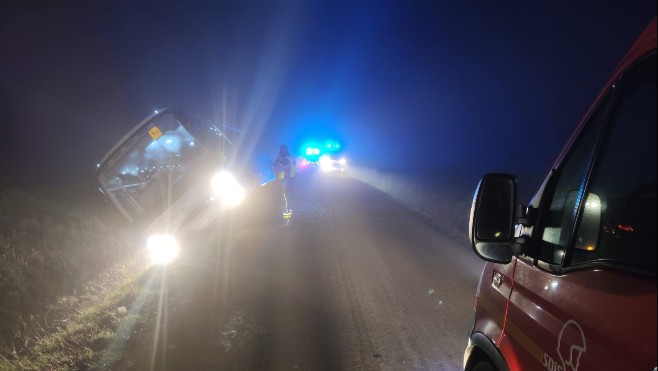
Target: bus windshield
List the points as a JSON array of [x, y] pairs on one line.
[[149, 168]]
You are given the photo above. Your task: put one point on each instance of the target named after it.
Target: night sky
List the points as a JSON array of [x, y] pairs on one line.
[[488, 84]]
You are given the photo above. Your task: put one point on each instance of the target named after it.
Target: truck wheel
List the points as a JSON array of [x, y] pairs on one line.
[[484, 366]]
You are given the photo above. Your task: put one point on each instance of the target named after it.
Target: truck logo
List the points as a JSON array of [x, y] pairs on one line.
[[572, 349], [569, 348]]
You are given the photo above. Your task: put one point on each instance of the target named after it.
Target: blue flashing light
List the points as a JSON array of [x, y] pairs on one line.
[[312, 150], [332, 146]]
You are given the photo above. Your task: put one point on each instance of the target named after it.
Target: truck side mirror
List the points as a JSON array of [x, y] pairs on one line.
[[492, 221]]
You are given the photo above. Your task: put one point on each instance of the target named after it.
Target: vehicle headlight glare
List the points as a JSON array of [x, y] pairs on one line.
[[326, 163], [163, 248], [227, 189]]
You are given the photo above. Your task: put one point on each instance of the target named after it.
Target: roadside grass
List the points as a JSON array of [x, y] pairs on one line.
[[89, 339], [67, 263]]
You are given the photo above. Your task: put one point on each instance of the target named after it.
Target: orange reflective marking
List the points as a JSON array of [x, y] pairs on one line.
[[155, 133]]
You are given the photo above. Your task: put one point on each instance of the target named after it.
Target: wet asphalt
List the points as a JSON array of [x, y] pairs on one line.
[[355, 282]]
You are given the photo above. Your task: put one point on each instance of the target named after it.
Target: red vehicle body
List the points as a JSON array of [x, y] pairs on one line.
[[570, 282]]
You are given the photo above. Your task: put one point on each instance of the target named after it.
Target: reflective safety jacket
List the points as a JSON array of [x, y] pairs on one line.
[[285, 167]]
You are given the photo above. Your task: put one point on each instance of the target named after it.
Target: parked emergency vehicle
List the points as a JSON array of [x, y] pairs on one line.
[[570, 282]]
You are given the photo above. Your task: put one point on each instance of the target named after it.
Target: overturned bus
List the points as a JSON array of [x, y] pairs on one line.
[[175, 172]]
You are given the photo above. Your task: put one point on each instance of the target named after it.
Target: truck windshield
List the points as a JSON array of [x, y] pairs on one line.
[[148, 170]]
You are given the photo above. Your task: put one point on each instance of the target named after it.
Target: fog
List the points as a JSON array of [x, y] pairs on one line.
[[413, 84]]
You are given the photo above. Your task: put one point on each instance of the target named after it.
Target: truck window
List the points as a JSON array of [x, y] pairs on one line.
[[559, 219], [621, 228]]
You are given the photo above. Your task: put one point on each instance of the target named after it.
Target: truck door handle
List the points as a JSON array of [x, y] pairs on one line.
[[497, 279]]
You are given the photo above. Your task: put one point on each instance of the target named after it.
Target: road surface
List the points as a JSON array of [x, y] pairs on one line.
[[356, 282]]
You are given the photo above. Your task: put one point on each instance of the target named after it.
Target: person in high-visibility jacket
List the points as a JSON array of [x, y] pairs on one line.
[[285, 169]]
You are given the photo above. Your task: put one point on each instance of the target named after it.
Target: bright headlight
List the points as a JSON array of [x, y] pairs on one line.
[[326, 163], [227, 189], [163, 248]]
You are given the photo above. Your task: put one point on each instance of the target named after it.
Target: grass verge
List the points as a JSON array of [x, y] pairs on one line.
[[67, 264], [95, 336]]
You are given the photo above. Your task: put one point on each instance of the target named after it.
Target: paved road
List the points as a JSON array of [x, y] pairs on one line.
[[356, 282]]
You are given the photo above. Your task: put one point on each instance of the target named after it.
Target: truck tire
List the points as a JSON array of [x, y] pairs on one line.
[[484, 366]]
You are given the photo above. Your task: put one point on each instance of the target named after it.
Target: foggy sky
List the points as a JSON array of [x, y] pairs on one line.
[[496, 85]]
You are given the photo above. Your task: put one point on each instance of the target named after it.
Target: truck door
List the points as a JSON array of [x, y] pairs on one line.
[[586, 297]]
